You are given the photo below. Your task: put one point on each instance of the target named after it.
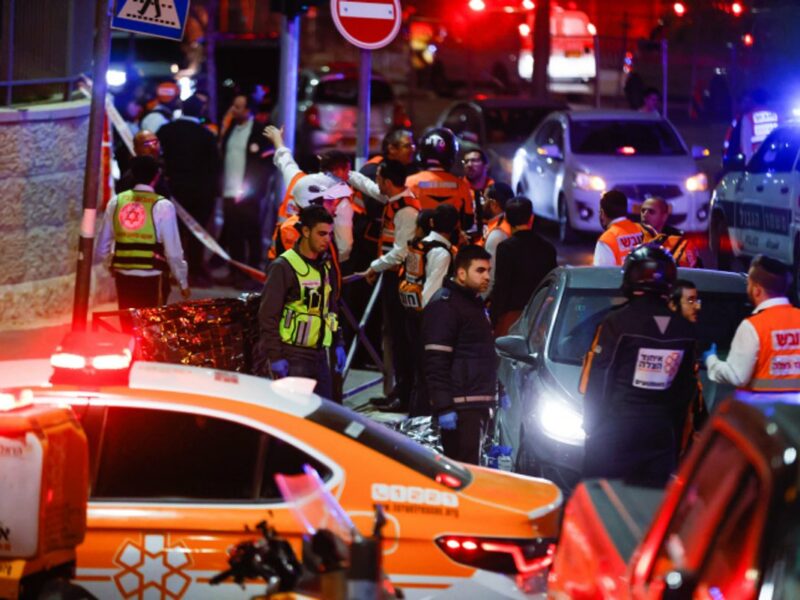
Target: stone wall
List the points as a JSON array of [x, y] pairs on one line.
[[42, 154]]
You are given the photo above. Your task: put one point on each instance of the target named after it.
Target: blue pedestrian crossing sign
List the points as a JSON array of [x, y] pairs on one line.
[[160, 18]]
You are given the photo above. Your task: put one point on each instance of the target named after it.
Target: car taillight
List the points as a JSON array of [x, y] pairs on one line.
[[399, 117], [312, 117], [514, 556], [448, 480]]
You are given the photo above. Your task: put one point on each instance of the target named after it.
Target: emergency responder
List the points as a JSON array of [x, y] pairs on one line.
[[460, 360], [476, 172], [297, 317], [683, 299], [639, 378], [621, 235], [765, 351], [757, 122], [655, 213], [523, 261], [140, 234], [399, 224], [496, 228], [438, 149], [334, 168]]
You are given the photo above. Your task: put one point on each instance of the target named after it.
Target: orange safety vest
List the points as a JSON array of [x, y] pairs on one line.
[[778, 364], [432, 188], [414, 272], [682, 250], [283, 210], [498, 222], [624, 236], [286, 236], [386, 241]]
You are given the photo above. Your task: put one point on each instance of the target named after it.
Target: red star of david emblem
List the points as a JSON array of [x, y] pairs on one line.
[[132, 216], [153, 564]]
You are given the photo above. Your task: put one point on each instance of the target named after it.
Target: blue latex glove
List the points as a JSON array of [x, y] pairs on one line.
[[341, 358], [505, 402], [448, 420], [710, 352], [279, 368]]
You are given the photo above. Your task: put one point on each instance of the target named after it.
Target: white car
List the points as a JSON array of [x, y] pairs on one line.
[[756, 211], [574, 156]]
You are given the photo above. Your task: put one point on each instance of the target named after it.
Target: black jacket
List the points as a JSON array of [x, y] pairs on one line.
[[522, 261], [191, 162], [259, 168], [460, 360]]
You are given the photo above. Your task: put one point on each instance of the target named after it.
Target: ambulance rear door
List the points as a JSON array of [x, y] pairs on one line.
[[767, 211]]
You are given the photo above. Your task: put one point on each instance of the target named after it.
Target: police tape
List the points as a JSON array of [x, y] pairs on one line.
[[189, 221]]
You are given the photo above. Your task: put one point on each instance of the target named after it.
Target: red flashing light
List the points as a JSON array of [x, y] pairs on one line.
[[679, 8], [448, 480], [453, 544], [528, 5], [747, 40], [469, 545], [524, 29], [627, 150], [477, 5], [737, 9]]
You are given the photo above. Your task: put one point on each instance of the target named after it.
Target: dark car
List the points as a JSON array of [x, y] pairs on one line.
[[498, 125], [726, 527], [541, 359]]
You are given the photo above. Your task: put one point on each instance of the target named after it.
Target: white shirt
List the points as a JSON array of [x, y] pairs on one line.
[[493, 240], [437, 263], [166, 226], [366, 186], [236, 159], [405, 225], [153, 121], [603, 255], [737, 370]]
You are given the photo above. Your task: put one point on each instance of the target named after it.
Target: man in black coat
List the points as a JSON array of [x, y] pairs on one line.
[[248, 171], [192, 167], [460, 360], [523, 260]]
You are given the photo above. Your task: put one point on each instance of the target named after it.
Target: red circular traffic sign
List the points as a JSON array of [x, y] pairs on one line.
[[368, 24]]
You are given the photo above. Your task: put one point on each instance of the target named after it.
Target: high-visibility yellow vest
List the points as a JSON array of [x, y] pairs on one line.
[[307, 322], [136, 244]]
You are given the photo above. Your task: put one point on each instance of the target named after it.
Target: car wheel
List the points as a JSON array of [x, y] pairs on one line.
[[566, 234], [719, 242]]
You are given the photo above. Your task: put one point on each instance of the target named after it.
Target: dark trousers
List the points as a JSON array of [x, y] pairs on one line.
[[241, 233], [394, 317], [419, 405], [139, 292], [464, 442], [641, 451], [201, 207], [310, 363]]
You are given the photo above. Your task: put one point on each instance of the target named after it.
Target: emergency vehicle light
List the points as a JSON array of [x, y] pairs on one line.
[[448, 480], [626, 150], [92, 357], [477, 5], [528, 5]]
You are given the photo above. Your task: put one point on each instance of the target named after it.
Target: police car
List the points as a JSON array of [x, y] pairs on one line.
[[182, 459], [756, 210]]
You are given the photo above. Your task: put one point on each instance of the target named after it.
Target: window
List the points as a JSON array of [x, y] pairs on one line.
[[541, 309], [777, 153], [550, 135], [706, 498], [617, 137], [162, 455]]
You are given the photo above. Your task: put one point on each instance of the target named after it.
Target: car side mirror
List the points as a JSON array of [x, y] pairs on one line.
[[680, 585], [700, 152], [515, 347], [550, 151]]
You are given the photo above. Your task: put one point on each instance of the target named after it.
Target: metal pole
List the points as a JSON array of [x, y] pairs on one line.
[[91, 179], [290, 50], [8, 19], [211, 61], [597, 71], [364, 89], [664, 90]]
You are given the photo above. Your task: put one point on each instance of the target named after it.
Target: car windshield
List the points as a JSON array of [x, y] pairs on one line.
[[582, 310], [506, 124], [344, 90], [624, 138], [390, 443]]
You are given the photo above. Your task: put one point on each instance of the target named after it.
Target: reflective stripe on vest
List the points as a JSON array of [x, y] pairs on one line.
[[136, 243], [681, 249], [307, 322], [283, 210], [413, 281], [498, 222], [386, 240], [778, 363], [624, 236], [432, 188]]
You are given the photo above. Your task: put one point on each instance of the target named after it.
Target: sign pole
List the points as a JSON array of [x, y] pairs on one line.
[[364, 100], [91, 177], [287, 103]]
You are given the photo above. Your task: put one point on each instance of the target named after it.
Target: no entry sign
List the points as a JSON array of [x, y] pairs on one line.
[[368, 24]]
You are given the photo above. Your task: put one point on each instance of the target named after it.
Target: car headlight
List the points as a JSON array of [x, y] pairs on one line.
[[561, 422], [697, 183], [592, 183]]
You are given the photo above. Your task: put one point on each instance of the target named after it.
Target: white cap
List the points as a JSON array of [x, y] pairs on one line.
[[319, 187]]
